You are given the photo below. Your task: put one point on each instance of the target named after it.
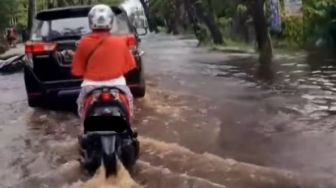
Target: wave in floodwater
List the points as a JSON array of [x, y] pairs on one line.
[[167, 165], [121, 180], [99, 180]]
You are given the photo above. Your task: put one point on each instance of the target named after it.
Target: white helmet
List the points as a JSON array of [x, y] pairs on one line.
[[101, 17]]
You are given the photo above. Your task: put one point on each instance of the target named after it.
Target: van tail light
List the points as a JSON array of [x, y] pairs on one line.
[[131, 42], [39, 47]]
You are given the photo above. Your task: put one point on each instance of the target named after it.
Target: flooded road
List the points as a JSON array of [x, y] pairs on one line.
[[202, 109], [224, 110]]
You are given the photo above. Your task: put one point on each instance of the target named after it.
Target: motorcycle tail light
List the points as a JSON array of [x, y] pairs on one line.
[[106, 97]]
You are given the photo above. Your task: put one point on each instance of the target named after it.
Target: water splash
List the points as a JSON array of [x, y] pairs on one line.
[[121, 180]]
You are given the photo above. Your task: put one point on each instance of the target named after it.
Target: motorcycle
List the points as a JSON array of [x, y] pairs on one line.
[[108, 136]]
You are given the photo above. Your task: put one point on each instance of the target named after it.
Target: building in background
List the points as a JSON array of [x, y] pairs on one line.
[[293, 7]]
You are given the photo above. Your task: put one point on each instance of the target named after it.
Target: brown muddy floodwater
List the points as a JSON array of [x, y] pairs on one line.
[[202, 110]]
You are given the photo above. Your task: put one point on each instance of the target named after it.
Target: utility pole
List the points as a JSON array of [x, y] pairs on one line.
[[31, 13]]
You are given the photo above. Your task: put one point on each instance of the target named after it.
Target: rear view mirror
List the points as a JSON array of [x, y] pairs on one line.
[[141, 31], [141, 27]]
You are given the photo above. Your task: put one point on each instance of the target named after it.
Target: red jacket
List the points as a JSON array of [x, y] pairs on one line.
[[110, 60]]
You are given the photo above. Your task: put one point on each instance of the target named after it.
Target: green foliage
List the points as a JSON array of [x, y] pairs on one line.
[[225, 24], [162, 8], [224, 21], [110, 2], [293, 30], [320, 18], [21, 14], [316, 27], [7, 11], [224, 8], [18, 9], [241, 9]]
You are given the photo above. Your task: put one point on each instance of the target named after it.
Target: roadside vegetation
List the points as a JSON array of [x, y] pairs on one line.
[[246, 24], [20, 13], [222, 20], [241, 23]]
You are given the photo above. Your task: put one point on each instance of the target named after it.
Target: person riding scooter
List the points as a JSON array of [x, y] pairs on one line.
[[101, 58]]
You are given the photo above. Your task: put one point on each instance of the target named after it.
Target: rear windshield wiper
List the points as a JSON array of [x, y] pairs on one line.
[[77, 37]]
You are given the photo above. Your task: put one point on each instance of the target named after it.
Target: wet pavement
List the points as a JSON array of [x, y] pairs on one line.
[[19, 49], [202, 108], [287, 124]]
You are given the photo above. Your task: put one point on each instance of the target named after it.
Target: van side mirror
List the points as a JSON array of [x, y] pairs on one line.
[[142, 31]]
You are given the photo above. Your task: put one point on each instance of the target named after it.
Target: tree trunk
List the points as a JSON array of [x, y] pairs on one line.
[[184, 18], [190, 12], [31, 14], [209, 22], [193, 20], [262, 36], [211, 9], [151, 22], [61, 3], [51, 4], [72, 3], [169, 25], [176, 21], [240, 29]]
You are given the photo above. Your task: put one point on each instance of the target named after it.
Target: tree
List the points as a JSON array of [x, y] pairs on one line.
[[209, 21], [165, 11], [320, 22], [178, 14], [31, 13], [151, 22], [63, 3], [194, 21], [7, 11], [256, 9]]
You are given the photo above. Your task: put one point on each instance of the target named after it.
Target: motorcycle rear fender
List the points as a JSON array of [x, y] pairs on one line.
[[115, 108], [115, 124]]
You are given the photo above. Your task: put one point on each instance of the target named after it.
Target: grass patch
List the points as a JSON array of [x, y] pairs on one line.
[[232, 46]]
